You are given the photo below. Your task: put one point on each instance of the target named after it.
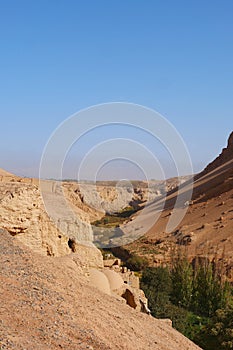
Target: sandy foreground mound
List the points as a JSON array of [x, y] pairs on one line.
[[47, 303]]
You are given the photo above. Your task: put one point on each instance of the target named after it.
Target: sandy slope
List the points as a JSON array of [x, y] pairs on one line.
[[207, 226], [47, 303]]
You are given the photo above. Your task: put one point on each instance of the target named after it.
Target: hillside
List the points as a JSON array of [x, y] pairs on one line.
[[48, 303], [5, 173], [207, 226]]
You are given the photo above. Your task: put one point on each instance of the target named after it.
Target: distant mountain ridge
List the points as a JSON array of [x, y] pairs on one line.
[[5, 173]]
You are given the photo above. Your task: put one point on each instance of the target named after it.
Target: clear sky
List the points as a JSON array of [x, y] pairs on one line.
[[60, 56]]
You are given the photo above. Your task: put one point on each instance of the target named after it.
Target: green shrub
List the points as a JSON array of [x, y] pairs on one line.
[[194, 298], [136, 263], [182, 282], [218, 334], [156, 283]]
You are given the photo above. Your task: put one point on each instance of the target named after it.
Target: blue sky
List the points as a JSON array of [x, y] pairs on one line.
[[58, 57]]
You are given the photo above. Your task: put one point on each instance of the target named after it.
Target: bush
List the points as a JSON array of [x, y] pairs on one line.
[[136, 263], [182, 282], [198, 303], [156, 283], [218, 334], [209, 293], [179, 317]]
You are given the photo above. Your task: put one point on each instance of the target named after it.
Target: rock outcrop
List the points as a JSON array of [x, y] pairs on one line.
[[224, 157], [119, 281], [23, 215]]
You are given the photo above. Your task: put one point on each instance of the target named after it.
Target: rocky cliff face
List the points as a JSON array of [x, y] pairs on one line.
[[23, 215], [109, 197]]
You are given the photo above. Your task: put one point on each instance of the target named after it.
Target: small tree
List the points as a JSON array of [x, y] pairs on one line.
[[156, 283], [209, 293], [218, 334], [182, 281]]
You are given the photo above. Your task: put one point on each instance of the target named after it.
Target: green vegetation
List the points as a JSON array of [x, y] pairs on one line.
[[115, 219], [126, 212], [195, 298], [136, 263], [218, 334], [109, 221]]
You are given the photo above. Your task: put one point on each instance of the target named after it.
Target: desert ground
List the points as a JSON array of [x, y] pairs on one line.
[[56, 291]]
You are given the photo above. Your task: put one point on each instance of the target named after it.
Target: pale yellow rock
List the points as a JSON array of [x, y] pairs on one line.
[[100, 281], [115, 280]]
